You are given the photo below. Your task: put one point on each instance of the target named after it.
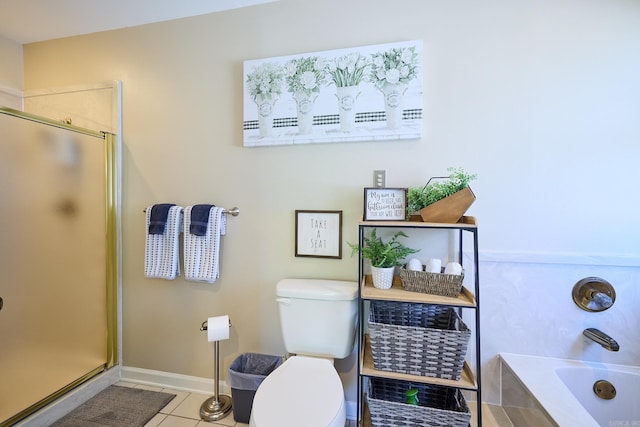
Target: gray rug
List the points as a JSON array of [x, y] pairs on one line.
[[118, 407]]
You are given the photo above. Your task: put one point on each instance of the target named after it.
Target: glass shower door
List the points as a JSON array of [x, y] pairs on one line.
[[53, 278]]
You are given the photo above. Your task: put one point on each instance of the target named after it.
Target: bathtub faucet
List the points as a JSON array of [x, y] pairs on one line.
[[600, 300], [601, 338]]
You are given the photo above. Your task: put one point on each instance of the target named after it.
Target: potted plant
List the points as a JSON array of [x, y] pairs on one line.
[[442, 201], [384, 256]]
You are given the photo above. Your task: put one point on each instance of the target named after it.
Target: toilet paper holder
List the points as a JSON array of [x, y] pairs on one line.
[[204, 325], [217, 406]]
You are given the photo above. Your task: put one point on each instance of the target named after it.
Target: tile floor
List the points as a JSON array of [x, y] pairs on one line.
[[184, 411]]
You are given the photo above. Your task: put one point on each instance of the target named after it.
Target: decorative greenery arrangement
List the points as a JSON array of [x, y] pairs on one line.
[[420, 197], [348, 70], [397, 65], [381, 254], [266, 81], [306, 74]]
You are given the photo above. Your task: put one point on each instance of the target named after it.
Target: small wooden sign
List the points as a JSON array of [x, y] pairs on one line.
[[385, 204], [319, 234]]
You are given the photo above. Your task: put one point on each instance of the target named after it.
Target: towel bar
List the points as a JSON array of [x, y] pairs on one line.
[[234, 211]]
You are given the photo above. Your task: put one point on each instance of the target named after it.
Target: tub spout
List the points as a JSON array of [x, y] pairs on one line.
[[601, 338]]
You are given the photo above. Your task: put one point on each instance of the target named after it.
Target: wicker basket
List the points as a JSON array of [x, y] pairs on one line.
[[417, 339], [448, 285], [437, 405]]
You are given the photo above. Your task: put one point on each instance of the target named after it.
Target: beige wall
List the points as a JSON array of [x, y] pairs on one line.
[[533, 97]]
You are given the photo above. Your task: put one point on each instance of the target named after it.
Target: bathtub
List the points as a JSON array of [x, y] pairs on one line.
[[541, 391]]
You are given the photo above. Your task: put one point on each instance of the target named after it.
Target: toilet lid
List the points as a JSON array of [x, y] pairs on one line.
[[302, 391]]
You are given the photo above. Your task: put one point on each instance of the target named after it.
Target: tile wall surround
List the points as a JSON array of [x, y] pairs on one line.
[[526, 307]]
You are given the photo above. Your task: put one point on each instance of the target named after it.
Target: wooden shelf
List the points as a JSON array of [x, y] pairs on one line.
[[466, 222], [470, 380], [397, 293], [467, 380]]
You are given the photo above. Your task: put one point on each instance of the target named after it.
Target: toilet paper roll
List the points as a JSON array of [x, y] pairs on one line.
[[453, 268], [218, 328], [434, 265]]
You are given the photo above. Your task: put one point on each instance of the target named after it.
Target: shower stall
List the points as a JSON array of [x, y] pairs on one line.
[[58, 309]]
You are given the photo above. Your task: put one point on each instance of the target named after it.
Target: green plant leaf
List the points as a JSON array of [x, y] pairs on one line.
[[380, 253], [420, 197]]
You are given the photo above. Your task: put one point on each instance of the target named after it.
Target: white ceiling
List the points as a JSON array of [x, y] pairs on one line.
[[28, 21]]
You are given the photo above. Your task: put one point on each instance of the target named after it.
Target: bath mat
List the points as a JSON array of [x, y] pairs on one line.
[[117, 406]]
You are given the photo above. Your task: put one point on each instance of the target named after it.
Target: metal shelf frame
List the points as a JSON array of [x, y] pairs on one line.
[[466, 225]]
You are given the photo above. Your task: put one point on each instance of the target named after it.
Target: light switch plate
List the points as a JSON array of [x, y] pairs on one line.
[[379, 178]]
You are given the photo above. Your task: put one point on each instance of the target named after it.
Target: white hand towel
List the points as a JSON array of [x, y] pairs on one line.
[[202, 253], [161, 257], [434, 265]]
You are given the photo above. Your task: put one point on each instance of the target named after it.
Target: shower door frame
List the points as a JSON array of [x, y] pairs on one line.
[[111, 258]]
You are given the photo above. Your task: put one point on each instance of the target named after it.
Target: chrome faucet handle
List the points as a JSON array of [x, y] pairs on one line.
[[601, 300], [593, 294]]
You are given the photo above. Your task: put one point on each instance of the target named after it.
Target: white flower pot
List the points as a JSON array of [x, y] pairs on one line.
[[382, 277], [393, 102], [347, 96], [265, 114], [305, 111]]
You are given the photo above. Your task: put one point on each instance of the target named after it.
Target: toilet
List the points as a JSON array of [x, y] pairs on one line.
[[318, 320]]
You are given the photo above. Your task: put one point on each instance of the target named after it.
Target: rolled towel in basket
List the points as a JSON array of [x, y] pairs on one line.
[[414, 264], [453, 268], [434, 265]]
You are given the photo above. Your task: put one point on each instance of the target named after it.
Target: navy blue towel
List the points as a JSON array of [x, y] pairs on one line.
[[158, 219], [199, 219]]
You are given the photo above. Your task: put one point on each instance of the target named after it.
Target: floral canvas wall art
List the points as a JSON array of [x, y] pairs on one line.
[[369, 93]]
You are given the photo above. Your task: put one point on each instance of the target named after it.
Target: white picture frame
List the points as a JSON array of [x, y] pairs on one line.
[[385, 204]]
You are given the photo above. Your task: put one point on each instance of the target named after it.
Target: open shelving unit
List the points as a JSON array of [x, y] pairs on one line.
[[467, 300]]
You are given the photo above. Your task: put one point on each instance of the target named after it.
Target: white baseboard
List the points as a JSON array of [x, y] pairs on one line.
[[162, 379], [189, 383]]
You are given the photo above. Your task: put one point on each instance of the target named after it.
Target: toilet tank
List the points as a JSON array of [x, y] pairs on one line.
[[318, 317]]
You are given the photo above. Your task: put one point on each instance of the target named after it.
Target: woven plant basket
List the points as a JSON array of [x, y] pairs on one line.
[[438, 406], [448, 285], [417, 339]]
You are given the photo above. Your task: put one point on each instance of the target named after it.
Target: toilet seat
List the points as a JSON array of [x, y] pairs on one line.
[[303, 391]]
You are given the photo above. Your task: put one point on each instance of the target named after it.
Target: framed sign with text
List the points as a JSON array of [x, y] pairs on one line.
[[319, 234], [385, 204]]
